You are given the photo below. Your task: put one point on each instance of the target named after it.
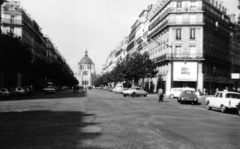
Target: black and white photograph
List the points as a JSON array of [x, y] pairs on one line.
[[119, 74]]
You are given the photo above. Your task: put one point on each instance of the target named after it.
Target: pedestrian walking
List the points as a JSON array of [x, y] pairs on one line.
[[160, 95], [204, 92], [216, 90], [74, 89], [226, 89]]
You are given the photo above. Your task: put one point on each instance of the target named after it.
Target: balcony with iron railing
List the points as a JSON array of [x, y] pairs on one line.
[[12, 21], [178, 56], [173, 10]]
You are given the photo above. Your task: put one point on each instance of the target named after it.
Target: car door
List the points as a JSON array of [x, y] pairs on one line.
[[212, 100], [219, 100], [137, 91]]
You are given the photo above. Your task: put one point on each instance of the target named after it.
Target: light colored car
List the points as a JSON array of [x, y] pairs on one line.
[[118, 88], [20, 91], [4, 92], [224, 100], [50, 89], [135, 91], [175, 92], [188, 96]]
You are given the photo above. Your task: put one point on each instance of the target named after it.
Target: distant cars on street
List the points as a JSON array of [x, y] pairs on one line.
[[118, 88], [224, 100], [4, 92], [50, 90], [20, 91], [175, 92], [188, 96], [135, 91]]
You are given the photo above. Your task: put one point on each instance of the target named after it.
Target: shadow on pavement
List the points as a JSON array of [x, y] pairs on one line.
[[45, 129], [42, 95]]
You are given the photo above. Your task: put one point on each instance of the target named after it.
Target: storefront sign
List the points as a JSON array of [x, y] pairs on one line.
[[235, 75], [185, 71]]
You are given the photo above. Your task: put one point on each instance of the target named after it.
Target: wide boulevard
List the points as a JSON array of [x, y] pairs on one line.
[[100, 119]]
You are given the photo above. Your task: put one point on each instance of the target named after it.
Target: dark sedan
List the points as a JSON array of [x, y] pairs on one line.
[[188, 96]]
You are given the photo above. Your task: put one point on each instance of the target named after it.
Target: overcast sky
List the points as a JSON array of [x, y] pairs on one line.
[[98, 25]]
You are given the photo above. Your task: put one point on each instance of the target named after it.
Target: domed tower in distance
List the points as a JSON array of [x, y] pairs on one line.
[[86, 70]]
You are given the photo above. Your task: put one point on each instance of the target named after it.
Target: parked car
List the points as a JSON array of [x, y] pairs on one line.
[[118, 88], [135, 91], [50, 89], [4, 92], [224, 100], [238, 109], [110, 89], [20, 91], [175, 92], [13, 91], [188, 96], [26, 90]]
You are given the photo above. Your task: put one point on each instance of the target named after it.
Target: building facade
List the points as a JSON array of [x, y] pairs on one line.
[[189, 40], [86, 71]]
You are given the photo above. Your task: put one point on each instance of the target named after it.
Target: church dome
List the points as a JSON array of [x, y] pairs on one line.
[[86, 59]]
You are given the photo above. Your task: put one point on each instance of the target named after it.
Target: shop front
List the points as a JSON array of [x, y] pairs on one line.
[[185, 74], [212, 83]]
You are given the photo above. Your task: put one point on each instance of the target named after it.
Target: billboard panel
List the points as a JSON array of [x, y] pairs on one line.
[[185, 71]]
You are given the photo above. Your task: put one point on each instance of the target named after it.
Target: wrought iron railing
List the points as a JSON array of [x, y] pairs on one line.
[[11, 21], [178, 56]]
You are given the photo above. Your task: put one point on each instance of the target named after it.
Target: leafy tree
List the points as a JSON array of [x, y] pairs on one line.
[[134, 67]]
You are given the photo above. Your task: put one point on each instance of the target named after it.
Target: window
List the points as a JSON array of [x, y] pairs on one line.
[[192, 33], [12, 19], [12, 30], [179, 4], [178, 34]]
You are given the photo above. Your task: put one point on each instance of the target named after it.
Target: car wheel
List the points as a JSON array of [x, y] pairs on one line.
[[178, 100], [137, 95], [208, 107], [171, 96], [239, 111], [196, 102], [124, 95], [223, 109], [145, 95], [133, 94]]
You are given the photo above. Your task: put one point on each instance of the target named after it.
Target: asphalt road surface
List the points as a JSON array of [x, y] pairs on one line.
[[138, 122]]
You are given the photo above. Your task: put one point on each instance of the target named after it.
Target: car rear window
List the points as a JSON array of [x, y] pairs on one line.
[[189, 92], [232, 95]]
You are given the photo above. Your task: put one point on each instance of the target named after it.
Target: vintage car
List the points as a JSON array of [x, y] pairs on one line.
[[224, 100], [188, 96], [118, 88], [175, 92], [20, 91], [135, 91], [4, 92], [50, 89]]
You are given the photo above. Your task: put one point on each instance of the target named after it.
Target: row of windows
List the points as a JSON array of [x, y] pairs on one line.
[[191, 37], [87, 67], [85, 82], [178, 50]]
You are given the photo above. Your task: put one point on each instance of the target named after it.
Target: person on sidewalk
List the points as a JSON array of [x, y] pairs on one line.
[[160, 95], [74, 89]]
